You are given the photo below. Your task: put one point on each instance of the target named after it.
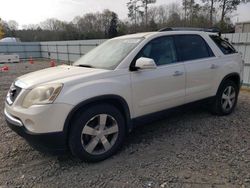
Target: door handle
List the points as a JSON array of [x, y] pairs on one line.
[[213, 66], [178, 73]]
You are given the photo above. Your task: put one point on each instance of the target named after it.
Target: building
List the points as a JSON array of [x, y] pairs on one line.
[[242, 27]]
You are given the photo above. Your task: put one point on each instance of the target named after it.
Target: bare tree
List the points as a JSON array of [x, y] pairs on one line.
[[184, 4], [211, 5], [30, 27], [107, 24], [13, 25], [227, 6], [106, 18], [133, 10], [191, 11], [112, 31], [145, 5], [188, 6], [51, 24]]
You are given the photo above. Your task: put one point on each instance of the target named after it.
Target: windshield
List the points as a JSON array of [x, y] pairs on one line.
[[109, 54]]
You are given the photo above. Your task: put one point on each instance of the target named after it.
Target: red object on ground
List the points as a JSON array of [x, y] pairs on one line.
[[5, 68], [52, 63], [31, 61]]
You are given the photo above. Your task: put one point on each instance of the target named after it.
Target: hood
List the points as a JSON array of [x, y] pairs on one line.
[[56, 74]]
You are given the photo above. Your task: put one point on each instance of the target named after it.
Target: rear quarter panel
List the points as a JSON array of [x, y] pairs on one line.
[[228, 64]]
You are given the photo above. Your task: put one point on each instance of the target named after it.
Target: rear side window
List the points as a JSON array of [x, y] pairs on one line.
[[191, 47], [224, 46]]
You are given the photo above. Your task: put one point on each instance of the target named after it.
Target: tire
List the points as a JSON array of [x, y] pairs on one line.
[[93, 135], [221, 105]]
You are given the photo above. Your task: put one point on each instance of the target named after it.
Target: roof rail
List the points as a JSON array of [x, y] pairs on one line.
[[212, 30]]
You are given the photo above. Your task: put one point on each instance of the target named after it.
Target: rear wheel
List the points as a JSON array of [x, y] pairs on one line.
[[226, 98], [97, 133]]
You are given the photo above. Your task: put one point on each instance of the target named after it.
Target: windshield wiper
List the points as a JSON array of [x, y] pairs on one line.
[[85, 65]]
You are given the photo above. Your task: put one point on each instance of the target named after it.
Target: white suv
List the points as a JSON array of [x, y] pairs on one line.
[[90, 106]]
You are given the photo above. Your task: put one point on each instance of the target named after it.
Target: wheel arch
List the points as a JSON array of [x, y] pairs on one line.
[[116, 100], [235, 77]]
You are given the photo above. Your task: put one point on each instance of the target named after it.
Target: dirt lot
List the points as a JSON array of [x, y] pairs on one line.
[[188, 149]]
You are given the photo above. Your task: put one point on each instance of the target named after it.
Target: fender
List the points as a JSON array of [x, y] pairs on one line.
[[234, 76]]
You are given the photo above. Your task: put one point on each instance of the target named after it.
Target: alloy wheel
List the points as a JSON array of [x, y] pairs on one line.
[[228, 98], [99, 134]]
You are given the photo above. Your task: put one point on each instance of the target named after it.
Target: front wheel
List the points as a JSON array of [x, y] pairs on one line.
[[226, 98], [97, 133]]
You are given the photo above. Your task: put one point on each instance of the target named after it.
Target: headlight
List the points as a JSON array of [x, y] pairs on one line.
[[44, 94]]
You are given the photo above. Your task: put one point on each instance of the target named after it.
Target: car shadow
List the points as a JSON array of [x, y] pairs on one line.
[[167, 122]]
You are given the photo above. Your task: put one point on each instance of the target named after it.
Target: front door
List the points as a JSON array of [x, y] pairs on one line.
[[160, 88]]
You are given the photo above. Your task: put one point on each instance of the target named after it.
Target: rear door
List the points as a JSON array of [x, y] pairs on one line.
[[200, 64]]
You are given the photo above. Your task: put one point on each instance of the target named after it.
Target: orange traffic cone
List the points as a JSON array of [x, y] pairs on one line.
[[31, 60], [52, 63]]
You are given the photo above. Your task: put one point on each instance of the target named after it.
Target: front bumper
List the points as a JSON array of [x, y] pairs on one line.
[[53, 142], [40, 119]]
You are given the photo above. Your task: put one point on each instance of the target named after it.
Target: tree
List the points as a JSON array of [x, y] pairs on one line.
[[106, 20], [184, 4], [132, 10], [227, 6], [51, 24], [139, 9], [211, 4], [13, 25], [122, 27], [174, 20], [145, 4], [162, 14], [152, 25], [112, 32], [141, 17], [1, 30], [7, 31], [191, 11], [188, 6], [69, 31], [31, 27]]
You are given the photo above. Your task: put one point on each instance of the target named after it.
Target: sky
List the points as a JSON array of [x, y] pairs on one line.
[[35, 11]]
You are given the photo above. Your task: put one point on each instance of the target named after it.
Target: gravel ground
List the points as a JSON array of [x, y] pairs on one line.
[[191, 148]]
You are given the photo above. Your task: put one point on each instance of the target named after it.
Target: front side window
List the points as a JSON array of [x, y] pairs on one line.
[[224, 46], [191, 47], [161, 50], [109, 54]]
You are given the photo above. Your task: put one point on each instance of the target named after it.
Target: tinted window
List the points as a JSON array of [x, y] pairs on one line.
[[192, 47], [224, 46], [161, 50]]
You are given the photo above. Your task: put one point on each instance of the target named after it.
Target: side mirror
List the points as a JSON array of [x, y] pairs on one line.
[[145, 63]]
